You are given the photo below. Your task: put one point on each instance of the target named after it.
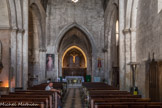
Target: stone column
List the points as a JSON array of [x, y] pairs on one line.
[[25, 44], [13, 52], [127, 59], [133, 29], [94, 65], [19, 73], [13, 43], [20, 32], [121, 45], [42, 61], [133, 44]]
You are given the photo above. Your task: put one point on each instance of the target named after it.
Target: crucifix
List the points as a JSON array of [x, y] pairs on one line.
[[74, 55]]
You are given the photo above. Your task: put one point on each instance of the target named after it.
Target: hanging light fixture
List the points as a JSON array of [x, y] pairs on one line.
[[75, 1]]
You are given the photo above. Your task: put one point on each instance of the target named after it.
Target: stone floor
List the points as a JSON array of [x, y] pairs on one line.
[[73, 98]]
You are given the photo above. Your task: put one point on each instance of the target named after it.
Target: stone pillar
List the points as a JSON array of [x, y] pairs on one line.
[[56, 69], [42, 61], [19, 40], [19, 73], [13, 52], [133, 44], [89, 65], [127, 58], [25, 44], [133, 29], [121, 45], [94, 65], [105, 65]]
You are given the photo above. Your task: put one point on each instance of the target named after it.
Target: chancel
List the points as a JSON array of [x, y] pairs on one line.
[[105, 52]]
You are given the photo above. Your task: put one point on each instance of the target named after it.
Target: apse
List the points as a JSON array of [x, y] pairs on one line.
[[75, 53], [74, 57]]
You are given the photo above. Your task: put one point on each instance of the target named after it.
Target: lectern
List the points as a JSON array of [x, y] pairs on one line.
[[134, 88]]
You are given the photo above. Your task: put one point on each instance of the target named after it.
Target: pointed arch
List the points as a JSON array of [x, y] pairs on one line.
[[78, 48], [37, 10], [82, 28]]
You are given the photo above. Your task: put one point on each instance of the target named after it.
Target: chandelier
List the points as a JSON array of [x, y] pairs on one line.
[[75, 1]]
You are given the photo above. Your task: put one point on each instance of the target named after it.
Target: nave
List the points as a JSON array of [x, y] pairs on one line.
[[90, 95], [117, 42], [73, 98]]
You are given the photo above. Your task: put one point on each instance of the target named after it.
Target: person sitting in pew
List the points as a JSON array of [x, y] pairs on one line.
[[50, 88]]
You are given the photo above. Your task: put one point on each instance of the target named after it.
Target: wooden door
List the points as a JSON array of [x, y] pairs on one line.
[[160, 79], [153, 81]]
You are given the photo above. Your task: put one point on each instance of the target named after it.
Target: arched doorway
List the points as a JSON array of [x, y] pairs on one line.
[[75, 54]]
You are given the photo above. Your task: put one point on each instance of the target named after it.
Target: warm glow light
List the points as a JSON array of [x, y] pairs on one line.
[[72, 47], [5, 84], [75, 1]]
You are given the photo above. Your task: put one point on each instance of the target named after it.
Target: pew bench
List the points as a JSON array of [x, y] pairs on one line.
[[15, 96], [52, 95], [107, 100], [20, 102], [129, 105]]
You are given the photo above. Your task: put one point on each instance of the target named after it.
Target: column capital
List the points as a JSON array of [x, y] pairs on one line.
[[42, 49], [126, 30], [14, 29], [20, 30], [129, 30], [132, 29]]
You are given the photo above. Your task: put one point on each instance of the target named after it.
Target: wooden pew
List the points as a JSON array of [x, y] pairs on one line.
[[112, 97], [36, 94], [129, 105], [106, 100], [105, 96], [51, 94], [24, 96], [62, 86], [20, 102]]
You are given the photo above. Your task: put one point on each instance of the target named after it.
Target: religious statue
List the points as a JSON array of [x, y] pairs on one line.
[[74, 55], [99, 65]]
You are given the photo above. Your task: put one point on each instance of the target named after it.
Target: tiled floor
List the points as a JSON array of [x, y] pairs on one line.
[[72, 98]]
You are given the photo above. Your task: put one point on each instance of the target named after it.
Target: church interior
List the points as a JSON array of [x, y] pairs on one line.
[[98, 53]]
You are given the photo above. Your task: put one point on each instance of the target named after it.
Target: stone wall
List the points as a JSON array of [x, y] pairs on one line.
[[88, 14], [5, 39], [149, 39], [4, 15]]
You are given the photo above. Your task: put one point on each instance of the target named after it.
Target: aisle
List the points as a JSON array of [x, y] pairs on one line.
[[73, 99]]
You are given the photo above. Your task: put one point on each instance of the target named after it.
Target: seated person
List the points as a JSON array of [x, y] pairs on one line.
[[50, 87]]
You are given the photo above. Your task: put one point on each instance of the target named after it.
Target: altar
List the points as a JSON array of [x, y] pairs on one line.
[[74, 81]]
